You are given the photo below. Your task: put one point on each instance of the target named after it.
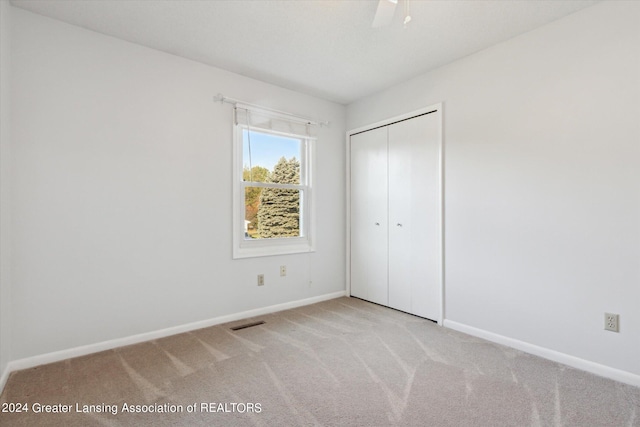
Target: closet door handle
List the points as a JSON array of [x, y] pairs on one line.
[[399, 225], [377, 223]]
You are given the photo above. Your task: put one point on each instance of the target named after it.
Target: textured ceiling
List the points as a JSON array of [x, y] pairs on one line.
[[324, 48]]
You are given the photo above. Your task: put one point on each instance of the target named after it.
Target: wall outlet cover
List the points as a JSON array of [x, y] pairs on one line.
[[612, 322]]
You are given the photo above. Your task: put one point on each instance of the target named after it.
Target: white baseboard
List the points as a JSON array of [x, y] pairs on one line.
[[5, 376], [57, 356], [565, 359]]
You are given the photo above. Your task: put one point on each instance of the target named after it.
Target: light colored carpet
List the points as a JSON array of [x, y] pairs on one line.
[[343, 362]]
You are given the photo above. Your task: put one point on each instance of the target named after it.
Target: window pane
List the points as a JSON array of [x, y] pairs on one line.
[[251, 205], [272, 213], [270, 158]]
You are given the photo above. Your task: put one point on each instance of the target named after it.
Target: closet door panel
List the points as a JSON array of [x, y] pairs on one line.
[[369, 212], [404, 161], [414, 216]]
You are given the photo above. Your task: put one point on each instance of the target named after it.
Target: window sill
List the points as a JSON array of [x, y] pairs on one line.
[[271, 249]]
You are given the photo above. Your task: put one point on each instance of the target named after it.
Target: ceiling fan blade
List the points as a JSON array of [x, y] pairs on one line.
[[384, 13]]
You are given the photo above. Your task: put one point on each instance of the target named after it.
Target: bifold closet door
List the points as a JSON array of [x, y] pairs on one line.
[[414, 216], [369, 225]]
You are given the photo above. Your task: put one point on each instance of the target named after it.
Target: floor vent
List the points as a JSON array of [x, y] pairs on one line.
[[247, 325]]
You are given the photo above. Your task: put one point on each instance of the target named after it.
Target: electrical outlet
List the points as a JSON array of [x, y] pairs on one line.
[[283, 270], [260, 279], [611, 322]]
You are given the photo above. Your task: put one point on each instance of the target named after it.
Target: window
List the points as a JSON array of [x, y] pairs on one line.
[[273, 200]]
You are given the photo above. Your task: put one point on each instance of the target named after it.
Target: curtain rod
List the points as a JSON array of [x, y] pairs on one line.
[[226, 100]]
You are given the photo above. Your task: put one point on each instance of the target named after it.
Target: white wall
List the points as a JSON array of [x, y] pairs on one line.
[[122, 184], [5, 189], [542, 183]]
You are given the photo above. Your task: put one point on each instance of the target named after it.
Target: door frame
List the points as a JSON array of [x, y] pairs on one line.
[[434, 108]]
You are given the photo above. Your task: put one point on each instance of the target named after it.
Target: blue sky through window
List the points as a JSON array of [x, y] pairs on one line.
[[267, 149]]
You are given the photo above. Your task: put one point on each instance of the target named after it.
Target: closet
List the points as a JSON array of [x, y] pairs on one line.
[[395, 214]]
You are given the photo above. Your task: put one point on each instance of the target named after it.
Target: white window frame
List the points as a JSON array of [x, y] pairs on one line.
[[247, 248]]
